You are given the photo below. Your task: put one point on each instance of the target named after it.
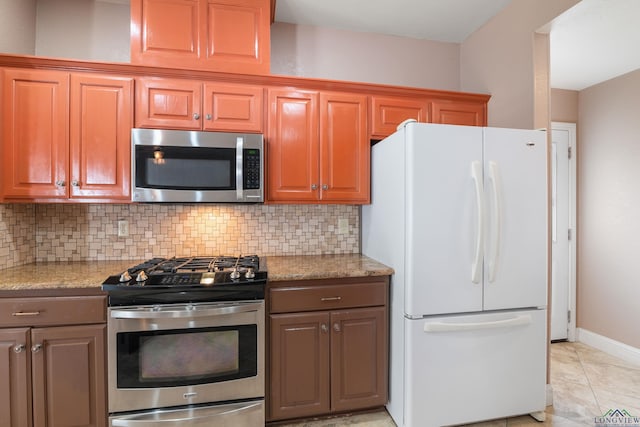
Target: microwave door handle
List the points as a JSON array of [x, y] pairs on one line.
[[239, 167]]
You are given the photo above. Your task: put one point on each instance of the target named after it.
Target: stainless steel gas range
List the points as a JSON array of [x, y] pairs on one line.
[[186, 342]]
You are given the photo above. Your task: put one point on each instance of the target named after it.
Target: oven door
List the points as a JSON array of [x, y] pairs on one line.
[[183, 354]]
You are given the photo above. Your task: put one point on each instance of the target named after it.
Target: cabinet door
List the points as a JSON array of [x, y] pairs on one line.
[[238, 36], [459, 113], [358, 358], [165, 32], [168, 103], [100, 138], [293, 146], [299, 365], [68, 370], [232, 108], [388, 112], [344, 148], [15, 386], [35, 133]]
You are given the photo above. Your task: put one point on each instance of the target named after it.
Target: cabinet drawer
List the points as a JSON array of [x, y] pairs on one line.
[[327, 297], [36, 311]]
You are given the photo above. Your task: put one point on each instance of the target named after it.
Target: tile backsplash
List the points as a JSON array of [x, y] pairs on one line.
[[65, 232], [17, 234]]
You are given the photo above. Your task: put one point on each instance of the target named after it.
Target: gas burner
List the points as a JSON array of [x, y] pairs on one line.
[[178, 278]]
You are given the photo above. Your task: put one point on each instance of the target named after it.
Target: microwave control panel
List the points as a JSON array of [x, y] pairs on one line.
[[251, 168]]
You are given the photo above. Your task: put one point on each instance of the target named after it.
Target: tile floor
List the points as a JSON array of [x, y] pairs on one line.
[[586, 383]]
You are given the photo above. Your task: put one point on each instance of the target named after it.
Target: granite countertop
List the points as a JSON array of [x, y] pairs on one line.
[[60, 275], [307, 267], [91, 274]]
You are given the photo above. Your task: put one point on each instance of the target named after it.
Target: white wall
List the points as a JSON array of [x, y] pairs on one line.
[[308, 51], [609, 209], [18, 26], [83, 29], [499, 59]]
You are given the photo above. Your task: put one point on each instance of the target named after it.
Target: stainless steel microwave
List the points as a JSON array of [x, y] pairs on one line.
[[196, 167]]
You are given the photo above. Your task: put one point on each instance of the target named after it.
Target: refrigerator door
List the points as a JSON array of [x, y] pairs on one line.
[[463, 369], [443, 188], [515, 170]]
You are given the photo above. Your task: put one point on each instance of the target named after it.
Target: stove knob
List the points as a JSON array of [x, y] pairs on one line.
[[125, 277], [250, 274], [235, 274], [142, 276]]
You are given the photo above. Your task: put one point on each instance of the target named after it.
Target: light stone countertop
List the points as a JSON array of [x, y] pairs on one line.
[[308, 267], [90, 274]]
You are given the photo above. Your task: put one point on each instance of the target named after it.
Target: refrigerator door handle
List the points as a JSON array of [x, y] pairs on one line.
[[476, 265], [496, 220], [523, 319]]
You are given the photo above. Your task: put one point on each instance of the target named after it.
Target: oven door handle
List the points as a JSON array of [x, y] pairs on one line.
[[186, 311], [186, 417]]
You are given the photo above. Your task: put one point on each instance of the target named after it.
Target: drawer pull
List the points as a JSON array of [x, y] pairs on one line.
[[25, 313], [331, 299]]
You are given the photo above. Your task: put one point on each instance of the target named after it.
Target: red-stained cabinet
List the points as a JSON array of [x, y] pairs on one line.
[[317, 147], [66, 136], [195, 105], [215, 35]]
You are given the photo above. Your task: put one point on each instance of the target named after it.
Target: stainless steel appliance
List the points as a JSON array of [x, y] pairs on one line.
[[186, 342], [193, 166]]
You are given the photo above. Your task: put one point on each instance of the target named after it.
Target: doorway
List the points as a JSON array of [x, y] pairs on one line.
[[563, 231]]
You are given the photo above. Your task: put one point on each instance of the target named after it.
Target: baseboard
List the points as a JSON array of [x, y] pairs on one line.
[[609, 346]]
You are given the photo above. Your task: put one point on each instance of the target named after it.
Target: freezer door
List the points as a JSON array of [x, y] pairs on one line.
[[443, 210], [515, 165], [463, 369]]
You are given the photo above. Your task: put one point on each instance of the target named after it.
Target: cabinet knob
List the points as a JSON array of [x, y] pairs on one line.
[[314, 186], [75, 183], [19, 348], [324, 328], [336, 327], [196, 116], [36, 348], [208, 116], [60, 183], [325, 187]]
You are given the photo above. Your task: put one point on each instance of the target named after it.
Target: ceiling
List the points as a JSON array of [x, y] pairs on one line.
[[594, 41]]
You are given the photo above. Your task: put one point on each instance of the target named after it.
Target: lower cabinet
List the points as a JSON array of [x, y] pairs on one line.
[[332, 355], [55, 375]]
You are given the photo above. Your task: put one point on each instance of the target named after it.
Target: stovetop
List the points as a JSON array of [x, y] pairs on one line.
[[188, 279]]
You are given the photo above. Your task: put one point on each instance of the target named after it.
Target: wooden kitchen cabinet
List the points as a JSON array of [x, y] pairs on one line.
[[35, 133], [317, 147], [214, 35], [459, 113], [66, 136], [54, 361], [194, 105], [329, 347], [387, 112]]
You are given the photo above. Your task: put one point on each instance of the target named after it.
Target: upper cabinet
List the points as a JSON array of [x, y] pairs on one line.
[[387, 112], [195, 105], [459, 112], [317, 147], [66, 136], [214, 35]]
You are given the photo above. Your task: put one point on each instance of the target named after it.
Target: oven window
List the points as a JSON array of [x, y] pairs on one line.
[[185, 168], [186, 356]]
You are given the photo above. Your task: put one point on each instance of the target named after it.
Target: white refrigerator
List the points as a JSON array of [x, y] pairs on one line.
[[460, 214]]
